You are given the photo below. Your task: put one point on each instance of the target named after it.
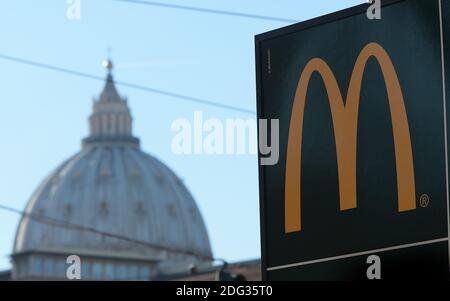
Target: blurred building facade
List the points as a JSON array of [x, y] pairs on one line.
[[240, 271]]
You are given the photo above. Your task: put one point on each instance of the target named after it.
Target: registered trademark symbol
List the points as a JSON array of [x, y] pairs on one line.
[[424, 200]]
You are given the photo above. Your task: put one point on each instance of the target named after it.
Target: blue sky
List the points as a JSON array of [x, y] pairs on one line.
[[44, 113]]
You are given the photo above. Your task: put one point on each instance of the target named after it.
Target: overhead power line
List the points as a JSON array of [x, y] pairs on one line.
[[127, 84], [71, 226], [211, 11]]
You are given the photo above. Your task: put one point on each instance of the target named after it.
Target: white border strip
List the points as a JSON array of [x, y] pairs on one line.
[[444, 93], [428, 242]]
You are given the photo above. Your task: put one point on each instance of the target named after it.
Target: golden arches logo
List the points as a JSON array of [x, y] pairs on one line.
[[345, 121]]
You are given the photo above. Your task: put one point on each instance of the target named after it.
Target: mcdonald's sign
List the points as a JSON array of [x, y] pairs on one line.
[[345, 121], [363, 172]]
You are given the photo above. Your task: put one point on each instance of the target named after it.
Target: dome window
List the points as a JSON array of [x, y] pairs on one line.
[[193, 214], [67, 211], [144, 273], [36, 267], [134, 173], [159, 177], [172, 210], [140, 208], [104, 208], [41, 212], [104, 172]]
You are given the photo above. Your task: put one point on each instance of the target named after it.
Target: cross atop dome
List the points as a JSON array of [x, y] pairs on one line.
[[109, 93], [108, 64]]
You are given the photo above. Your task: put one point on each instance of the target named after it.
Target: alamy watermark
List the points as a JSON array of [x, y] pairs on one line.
[[73, 11], [213, 136], [374, 270], [374, 10], [73, 271]]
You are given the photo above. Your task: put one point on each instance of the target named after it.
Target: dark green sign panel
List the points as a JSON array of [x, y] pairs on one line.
[[360, 190]]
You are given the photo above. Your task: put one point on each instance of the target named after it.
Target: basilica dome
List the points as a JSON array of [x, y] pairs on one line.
[[114, 187]]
